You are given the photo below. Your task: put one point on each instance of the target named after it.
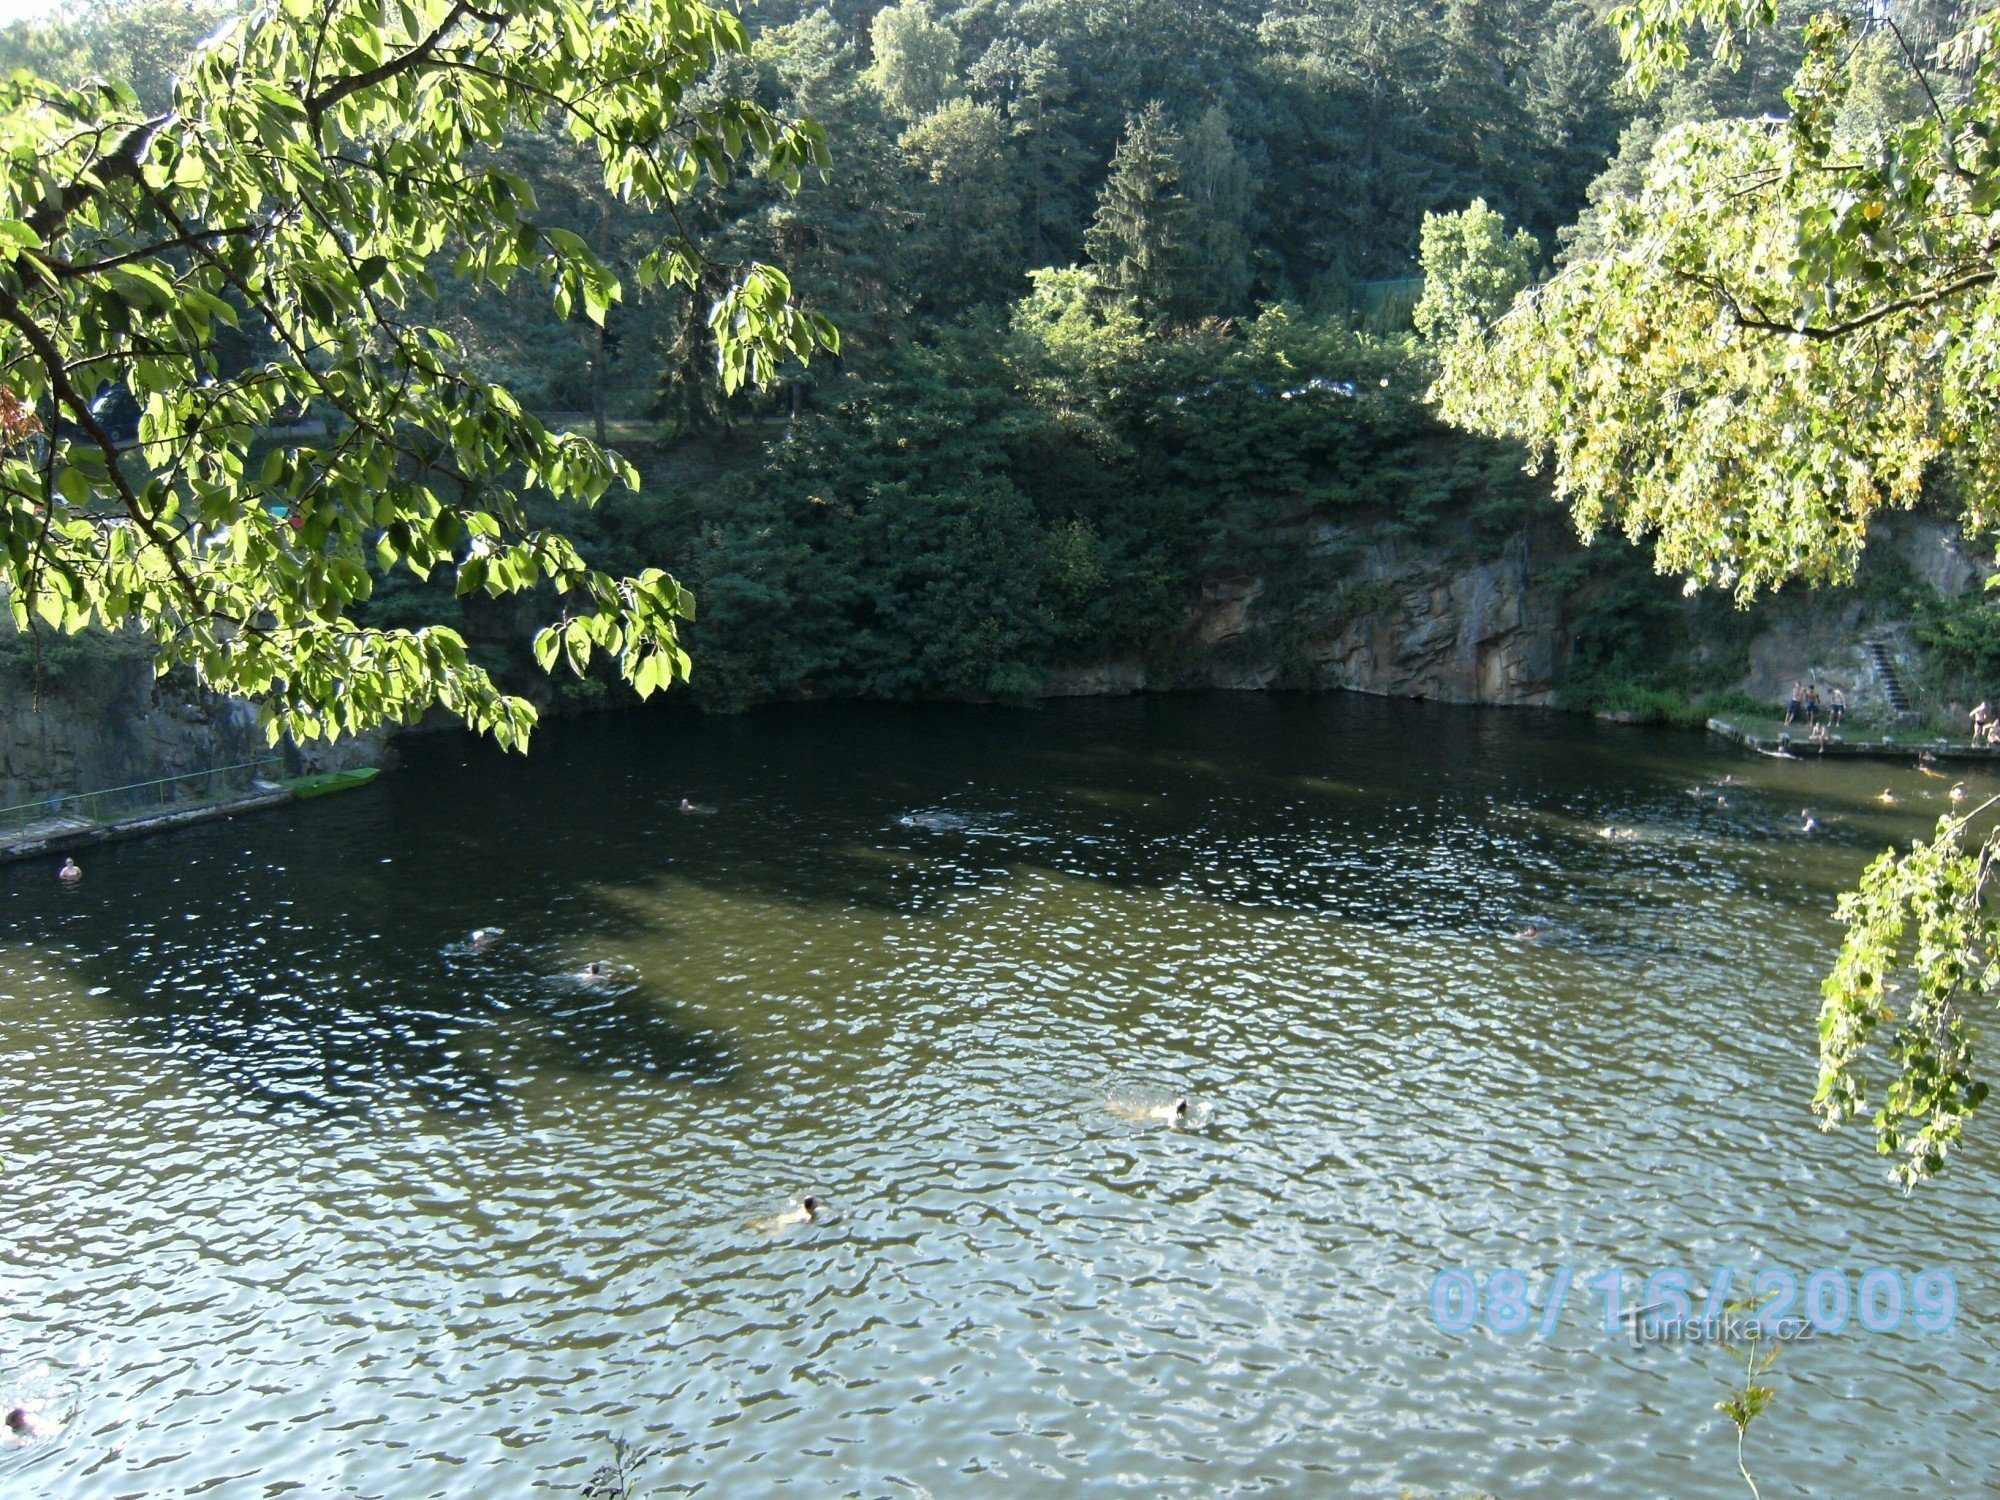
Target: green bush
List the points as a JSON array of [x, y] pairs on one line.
[[1961, 639], [56, 660]]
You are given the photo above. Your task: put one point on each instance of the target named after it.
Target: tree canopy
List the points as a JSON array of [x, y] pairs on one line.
[[1473, 270], [1788, 326], [272, 239]]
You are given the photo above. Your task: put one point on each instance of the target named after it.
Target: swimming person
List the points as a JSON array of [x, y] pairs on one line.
[[482, 937], [593, 973], [687, 805], [792, 1218], [1957, 793], [1888, 798], [70, 873], [26, 1425], [1811, 823], [1173, 1116]]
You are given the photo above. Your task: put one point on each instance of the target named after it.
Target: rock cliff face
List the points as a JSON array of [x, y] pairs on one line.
[[1450, 620], [1479, 633], [115, 725], [1406, 620]]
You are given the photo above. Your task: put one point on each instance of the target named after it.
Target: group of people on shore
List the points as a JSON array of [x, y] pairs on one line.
[[1806, 704]]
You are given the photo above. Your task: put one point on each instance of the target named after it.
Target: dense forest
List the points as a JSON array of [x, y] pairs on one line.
[[1124, 288]]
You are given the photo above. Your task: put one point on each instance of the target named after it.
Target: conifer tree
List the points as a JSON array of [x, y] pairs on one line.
[[1139, 240]]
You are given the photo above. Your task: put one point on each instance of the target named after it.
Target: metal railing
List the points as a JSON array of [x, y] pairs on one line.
[[141, 799]]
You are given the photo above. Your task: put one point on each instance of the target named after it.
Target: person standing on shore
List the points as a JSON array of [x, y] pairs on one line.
[[1837, 711], [1792, 708]]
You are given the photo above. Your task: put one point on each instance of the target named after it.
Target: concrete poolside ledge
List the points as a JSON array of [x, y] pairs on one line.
[[1805, 749], [62, 835]]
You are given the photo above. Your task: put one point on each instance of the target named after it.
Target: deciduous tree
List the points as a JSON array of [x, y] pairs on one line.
[[322, 167], [1792, 326]]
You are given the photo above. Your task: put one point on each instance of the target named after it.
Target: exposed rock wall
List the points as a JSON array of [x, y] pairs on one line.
[[1460, 633], [1429, 622], [113, 725], [1453, 620]]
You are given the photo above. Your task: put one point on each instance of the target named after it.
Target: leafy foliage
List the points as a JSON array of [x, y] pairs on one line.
[[1762, 355], [1918, 927], [1018, 497], [1961, 641], [269, 242], [1140, 237], [1784, 328], [1472, 271]]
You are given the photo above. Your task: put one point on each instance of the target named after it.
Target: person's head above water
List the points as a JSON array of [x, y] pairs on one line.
[[1181, 1107], [810, 1204], [19, 1419], [595, 969]]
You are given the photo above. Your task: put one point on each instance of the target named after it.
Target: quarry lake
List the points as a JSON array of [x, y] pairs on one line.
[[305, 1195]]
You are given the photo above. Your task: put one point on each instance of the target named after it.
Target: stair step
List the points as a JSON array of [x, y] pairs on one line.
[[1892, 685]]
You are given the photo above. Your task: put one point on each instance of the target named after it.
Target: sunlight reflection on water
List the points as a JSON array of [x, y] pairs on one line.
[[302, 1190]]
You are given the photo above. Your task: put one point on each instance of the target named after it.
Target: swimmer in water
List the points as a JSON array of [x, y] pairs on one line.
[[1888, 798], [25, 1425], [1957, 794], [1527, 934], [483, 937], [1811, 824], [70, 873], [792, 1218], [593, 973], [1615, 833], [1174, 1116], [686, 805]]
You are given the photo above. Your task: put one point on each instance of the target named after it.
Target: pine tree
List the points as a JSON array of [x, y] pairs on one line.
[[1140, 238]]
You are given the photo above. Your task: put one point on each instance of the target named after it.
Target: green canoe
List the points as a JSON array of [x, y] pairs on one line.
[[333, 781]]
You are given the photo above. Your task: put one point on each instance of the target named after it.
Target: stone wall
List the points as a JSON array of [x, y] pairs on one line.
[[1459, 633]]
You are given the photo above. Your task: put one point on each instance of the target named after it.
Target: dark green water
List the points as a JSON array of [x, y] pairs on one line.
[[301, 1197]]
